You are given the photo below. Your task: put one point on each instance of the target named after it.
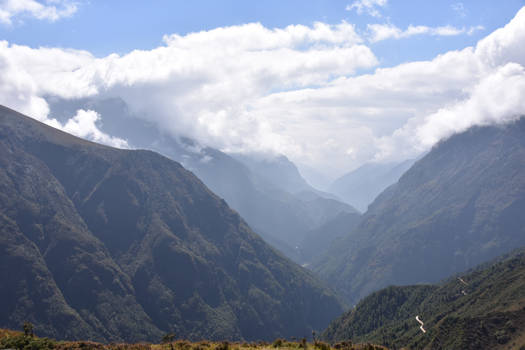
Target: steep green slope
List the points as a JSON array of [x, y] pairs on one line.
[[460, 205], [482, 309], [107, 244], [54, 272]]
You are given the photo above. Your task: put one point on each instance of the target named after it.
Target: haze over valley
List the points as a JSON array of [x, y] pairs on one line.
[[224, 175]]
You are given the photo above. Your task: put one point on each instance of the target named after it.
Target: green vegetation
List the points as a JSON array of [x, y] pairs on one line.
[[486, 313], [116, 245], [25, 340], [21, 341]]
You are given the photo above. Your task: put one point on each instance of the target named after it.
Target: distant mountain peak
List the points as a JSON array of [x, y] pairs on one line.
[[362, 185]]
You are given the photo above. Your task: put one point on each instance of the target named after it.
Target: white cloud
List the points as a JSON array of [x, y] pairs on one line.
[[201, 85], [254, 36], [493, 95], [362, 113], [371, 7], [379, 32], [295, 90], [27, 75], [505, 44], [51, 10], [84, 124], [497, 98]]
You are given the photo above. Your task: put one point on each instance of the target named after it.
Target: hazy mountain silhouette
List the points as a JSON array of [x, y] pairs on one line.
[[361, 186], [461, 204], [319, 240], [107, 244], [268, 192], [276, 170]]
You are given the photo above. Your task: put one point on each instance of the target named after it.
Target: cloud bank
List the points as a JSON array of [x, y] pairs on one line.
[[305, 91]]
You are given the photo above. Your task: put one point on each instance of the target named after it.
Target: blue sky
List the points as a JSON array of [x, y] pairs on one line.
[[330, 84], [119, 26]]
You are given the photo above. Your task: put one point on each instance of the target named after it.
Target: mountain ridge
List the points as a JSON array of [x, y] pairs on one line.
[[129, 245], [456, 207], [282, 212]]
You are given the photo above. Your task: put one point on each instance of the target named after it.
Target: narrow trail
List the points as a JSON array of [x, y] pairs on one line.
[[422, 324], [465, 284], [463, 292]]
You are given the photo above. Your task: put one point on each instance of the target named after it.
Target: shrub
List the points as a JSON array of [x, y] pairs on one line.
[[28, 329], [168, 338], [277, 343], [223, 346], [27, 342], [321, 345]]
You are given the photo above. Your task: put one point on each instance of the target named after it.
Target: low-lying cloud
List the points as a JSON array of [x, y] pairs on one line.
[[305, 91], [84, 124]]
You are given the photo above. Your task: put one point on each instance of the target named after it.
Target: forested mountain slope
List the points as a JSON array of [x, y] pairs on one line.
[[481, 309]]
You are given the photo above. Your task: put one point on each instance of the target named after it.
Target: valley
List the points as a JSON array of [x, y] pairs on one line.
[[236, 175], [89, 232], [105, 192]]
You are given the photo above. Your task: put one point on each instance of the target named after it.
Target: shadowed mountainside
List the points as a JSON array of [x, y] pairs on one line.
[[106, 244]]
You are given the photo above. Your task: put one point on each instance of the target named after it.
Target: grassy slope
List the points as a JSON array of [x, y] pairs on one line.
[[17, 340], [490, 315]]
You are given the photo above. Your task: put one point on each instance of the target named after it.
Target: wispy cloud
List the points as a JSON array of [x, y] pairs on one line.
[[371, 7], [459, 9], [379, 32], [51, 10]]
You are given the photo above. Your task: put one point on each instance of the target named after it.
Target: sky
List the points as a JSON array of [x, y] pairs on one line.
[[331, 84]]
